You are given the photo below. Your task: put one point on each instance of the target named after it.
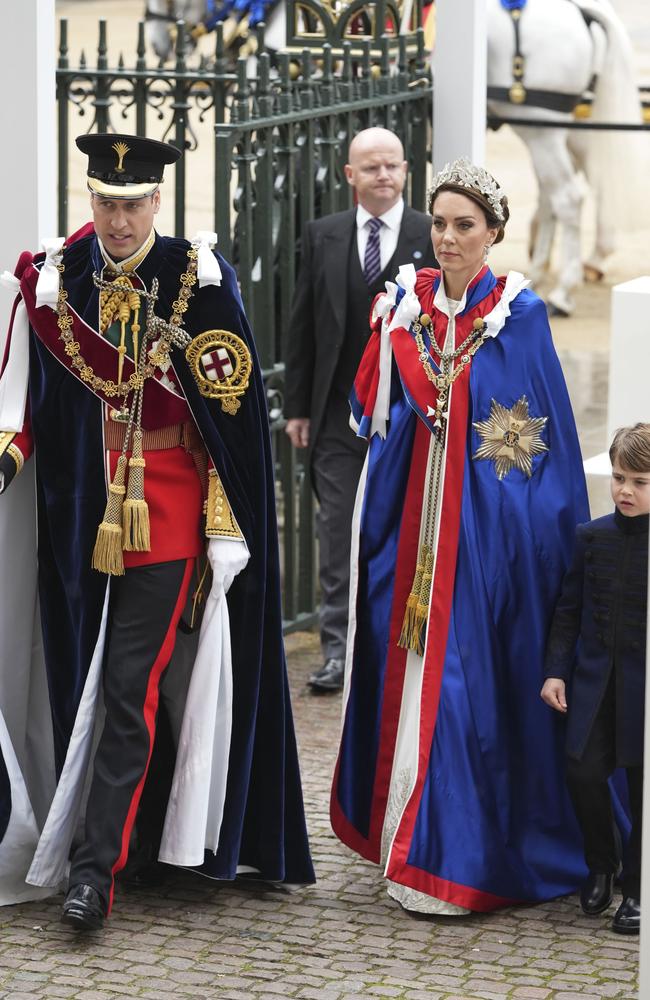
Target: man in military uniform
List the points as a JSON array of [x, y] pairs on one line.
[[144, 405]]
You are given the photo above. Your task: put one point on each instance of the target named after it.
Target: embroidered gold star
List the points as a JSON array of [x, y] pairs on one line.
[[511, 438]]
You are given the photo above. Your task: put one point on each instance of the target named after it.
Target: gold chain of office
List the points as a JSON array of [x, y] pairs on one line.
[[157, 357], [465, 352]]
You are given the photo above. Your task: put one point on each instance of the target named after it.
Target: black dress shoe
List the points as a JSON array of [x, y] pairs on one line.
[[329, 677], [83, 908], [627, 918], [596, 893]]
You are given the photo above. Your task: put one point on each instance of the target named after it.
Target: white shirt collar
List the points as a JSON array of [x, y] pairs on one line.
[[440, 300], [392, 218]]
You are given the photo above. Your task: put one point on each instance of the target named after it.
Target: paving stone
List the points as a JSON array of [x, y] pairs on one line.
[[572, 996], [98, 995], [311, 994], [18, 996]]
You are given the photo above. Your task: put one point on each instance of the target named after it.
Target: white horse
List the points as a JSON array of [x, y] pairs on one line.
[[160, 23], [563, 46]]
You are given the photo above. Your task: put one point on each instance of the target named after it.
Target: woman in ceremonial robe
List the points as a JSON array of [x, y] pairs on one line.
[[450, 771]]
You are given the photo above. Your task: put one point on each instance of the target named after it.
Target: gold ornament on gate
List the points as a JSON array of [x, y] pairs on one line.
[[221, 364]]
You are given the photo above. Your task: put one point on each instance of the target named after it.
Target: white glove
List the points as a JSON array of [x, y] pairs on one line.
[[227, 557]]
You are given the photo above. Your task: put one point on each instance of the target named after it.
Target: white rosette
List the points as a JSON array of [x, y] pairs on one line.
[[494, 321], [407, 310], [47, 286], [208, 270]]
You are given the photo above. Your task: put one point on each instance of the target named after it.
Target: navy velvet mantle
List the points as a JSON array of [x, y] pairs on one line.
[[263, 824]]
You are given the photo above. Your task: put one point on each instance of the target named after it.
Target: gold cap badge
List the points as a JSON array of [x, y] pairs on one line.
[[121, 149]]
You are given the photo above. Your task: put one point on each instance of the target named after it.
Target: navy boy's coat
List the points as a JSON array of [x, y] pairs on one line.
[[599, 626]]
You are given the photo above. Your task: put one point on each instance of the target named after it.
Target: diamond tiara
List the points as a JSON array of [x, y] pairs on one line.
[[465, 174]]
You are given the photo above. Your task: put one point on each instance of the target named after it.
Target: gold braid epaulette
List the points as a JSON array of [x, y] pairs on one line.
[[157, 358]]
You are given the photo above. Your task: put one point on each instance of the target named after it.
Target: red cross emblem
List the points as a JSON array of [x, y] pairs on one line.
[[217, 365]]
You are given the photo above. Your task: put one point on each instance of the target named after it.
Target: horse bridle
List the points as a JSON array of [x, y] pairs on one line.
[[517, 93]]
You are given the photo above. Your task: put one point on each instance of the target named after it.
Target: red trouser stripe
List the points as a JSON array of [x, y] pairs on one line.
[[150, 711]]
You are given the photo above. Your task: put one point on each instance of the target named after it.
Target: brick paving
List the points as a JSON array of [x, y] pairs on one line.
[[340, 939]]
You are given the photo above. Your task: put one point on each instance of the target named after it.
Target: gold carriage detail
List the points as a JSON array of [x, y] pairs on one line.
[[312, 23], [221, 364]]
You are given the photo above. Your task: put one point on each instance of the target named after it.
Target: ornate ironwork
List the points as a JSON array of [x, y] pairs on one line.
[[176, 98], [315, 23]]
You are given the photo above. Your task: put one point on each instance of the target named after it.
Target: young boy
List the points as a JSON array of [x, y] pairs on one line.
[[597, 648]]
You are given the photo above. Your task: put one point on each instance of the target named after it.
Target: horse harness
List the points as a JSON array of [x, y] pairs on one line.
[[517, 93]]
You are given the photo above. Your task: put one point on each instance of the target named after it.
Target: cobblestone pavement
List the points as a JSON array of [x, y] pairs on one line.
[[340, 939]]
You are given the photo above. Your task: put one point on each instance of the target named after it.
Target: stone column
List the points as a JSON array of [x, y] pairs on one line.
[[629, 363], [28, 157], [459, 81]]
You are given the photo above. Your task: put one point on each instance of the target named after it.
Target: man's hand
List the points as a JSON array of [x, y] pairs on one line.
[[554, 693], [298, 430]]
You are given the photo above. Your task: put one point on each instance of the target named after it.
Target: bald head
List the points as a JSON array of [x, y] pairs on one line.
[[376, 169], [374, 138]]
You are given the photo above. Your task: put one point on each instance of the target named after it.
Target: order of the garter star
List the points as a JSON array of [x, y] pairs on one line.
[[510, 438]]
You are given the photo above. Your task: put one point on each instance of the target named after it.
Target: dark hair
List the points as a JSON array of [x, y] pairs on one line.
[[631, 448], [482, 202]]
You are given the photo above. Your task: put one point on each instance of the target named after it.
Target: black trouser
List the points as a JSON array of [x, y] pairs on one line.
[[145, 606], [588, 785]]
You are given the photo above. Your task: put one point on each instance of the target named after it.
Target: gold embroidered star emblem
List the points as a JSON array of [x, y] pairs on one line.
[[510, 438]]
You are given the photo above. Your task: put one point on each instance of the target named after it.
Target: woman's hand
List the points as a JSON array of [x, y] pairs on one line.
[[554, 693]]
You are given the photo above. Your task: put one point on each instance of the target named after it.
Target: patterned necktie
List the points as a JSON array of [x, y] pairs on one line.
[[372, 256]]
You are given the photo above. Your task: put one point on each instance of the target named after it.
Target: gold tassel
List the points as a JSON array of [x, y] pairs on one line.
[[123, 315], [408, 635], [134, 305], [422, 609], [107, 554], [136, 533]]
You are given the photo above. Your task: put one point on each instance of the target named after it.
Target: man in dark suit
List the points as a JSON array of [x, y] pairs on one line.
[[346, 260]]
